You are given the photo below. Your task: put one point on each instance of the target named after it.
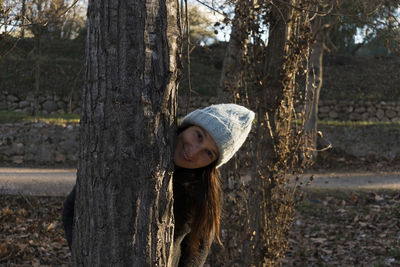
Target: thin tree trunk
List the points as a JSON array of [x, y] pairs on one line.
[[232, 71], [23, 13], [263, 172], [38, 31], [5, 26], [271, 94], [124, 188], [313, 88], [38, 56]]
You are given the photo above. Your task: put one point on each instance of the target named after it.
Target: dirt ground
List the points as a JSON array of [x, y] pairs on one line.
[[346, 229], [332, 226]]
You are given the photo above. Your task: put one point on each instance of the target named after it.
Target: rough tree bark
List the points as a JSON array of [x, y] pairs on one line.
[[272, 72], [231, 76], [271, 93], [123, 212], [262, 210]]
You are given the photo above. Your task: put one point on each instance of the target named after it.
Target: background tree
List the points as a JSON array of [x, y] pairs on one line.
[[200, 26], [353, 25], [58, 18], [8, 16], [296, 32], [42, 19], [124, 188], [335, 28], [231, 82], [312, 87], [278, 142], [270, 67]]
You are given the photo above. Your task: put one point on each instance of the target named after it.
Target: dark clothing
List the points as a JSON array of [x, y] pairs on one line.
[[186, 190], [68, 215]]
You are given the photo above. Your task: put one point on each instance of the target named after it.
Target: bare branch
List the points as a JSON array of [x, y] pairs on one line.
[[214, 9], [68, 9], [324, 13]]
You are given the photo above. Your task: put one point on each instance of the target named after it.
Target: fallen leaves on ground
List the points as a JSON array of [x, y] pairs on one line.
[[31, 232], [357, 229], [330, 229]]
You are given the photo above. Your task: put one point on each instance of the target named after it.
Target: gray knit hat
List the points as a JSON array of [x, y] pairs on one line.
[[228, 124]]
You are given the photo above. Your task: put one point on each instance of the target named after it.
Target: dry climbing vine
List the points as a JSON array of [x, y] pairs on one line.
[[268, 77]]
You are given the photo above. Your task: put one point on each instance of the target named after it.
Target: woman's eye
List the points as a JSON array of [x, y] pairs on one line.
[[209, 154], [199, 135]]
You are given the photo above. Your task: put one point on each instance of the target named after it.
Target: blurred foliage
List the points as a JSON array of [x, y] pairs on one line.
[[62, 63], [361, 78], [205, 70], [56, 19], [380, 45], [365, 27], [62, 60], [200, 28], [345, 76]]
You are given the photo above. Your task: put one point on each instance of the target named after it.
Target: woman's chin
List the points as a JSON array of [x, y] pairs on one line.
[[178, 163], [182, 164]]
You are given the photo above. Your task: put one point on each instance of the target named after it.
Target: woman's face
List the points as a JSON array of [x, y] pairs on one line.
[[195, 148]]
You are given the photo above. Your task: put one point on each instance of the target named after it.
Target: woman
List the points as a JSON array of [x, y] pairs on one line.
[[207, 138]]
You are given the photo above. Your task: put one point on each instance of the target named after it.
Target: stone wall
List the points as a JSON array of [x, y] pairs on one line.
[[47, 104], [33, 144], [359, 110], [328, 109], [36, 144], [365, 141]]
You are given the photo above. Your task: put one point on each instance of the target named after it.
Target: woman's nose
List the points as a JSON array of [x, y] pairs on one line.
[[194, 151]]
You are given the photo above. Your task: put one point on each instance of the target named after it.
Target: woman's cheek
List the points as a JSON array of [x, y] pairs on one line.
[[176, 156]]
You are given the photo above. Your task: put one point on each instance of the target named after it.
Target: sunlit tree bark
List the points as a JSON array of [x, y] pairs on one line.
[[123, 212]]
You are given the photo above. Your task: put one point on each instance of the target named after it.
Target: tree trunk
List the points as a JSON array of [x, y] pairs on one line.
[[271, 93], [123, 213], [313, 88], [23, 13], [232, 71], [38, 57], [262, 208]]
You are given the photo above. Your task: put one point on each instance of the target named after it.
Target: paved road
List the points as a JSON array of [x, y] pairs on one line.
[[46, 182], [354, 180], [58, 182]]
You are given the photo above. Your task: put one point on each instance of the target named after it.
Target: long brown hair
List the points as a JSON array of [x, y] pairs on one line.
[[206, 205], [207, 210]]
